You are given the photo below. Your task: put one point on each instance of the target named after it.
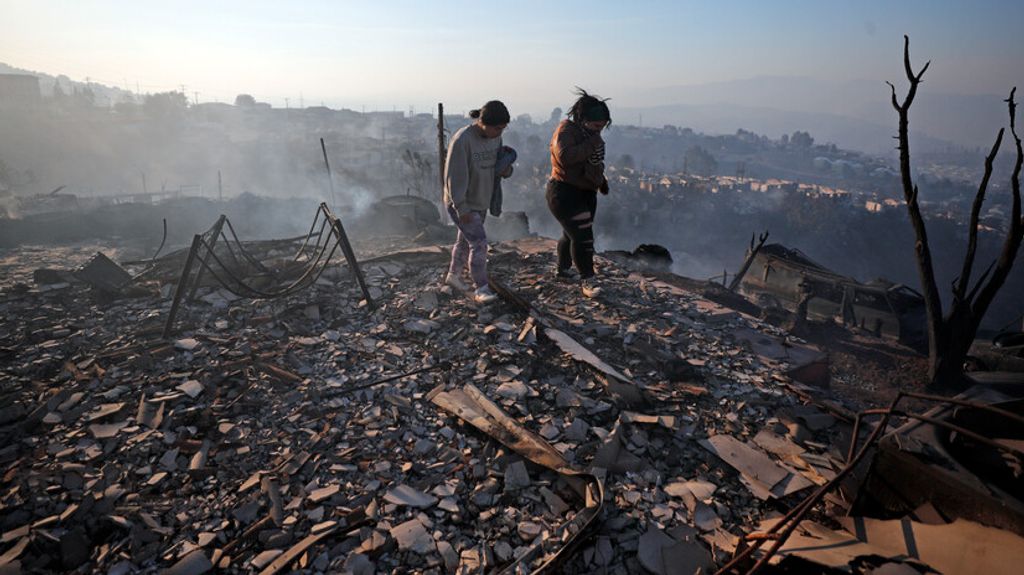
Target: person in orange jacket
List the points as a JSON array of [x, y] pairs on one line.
[[577, 175]]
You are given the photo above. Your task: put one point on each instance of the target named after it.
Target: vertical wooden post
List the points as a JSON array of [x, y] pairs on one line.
[[441, 152]]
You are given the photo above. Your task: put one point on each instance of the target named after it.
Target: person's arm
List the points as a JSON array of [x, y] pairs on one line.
[[569, 152], [456, 174]]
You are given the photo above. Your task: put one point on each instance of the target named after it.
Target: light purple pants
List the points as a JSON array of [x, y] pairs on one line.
[[470, 246]]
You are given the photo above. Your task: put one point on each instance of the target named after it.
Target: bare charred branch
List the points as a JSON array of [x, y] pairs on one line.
[[981, 282], [751, 253], [895, 102], [1013, 109], [1011, 245], [926, 271], [972, 242]]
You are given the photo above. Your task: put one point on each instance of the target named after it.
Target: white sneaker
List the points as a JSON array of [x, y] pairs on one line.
[[455, 281], [589, 288], [484, 295]]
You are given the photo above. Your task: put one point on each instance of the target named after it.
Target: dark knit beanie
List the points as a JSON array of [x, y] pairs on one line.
[[493, 113]]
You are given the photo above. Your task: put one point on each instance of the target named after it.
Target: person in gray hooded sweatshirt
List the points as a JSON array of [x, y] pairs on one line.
[[469, 182]]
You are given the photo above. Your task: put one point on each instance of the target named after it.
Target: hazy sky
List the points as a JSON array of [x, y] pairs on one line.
[[385, 54]]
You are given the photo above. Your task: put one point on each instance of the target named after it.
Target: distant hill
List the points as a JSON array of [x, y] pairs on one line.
[[844, 131], [104, 95], [855, 114]]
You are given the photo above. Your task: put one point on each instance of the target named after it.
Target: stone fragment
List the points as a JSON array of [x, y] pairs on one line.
[[169, 461], [556, 504], [448, 555], [264, 558], [578, 430], [195, 563], [424, 326], [106, 431], [650, 548], [529, 530], [503, 551], [514, 390], [406, 495], [412, 536], [702, 490], [318, 495], [516, 476], [187, 344], [191, 388], [358, 564]]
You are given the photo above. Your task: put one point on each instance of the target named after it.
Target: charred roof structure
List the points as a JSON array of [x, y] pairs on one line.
[[785, 277]]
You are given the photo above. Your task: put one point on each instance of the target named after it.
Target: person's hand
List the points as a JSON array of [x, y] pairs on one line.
[[604, 187], [507, 173], [465, 218]]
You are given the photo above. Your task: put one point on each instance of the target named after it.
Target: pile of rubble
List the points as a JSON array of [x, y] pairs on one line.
[[646, 430]]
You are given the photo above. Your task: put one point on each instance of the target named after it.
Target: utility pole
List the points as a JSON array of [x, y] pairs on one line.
[[286, 103], [441, 155], [220, 188], [195, 98]]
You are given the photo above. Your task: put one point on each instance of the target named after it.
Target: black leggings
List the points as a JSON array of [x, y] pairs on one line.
[[574, 208]]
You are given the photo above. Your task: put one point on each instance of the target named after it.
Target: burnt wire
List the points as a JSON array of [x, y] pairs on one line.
[[309, 234], [251, 259], [231, 250], [291, 288], [301, 283]]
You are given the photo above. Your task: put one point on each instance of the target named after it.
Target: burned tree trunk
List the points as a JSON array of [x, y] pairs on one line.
[[751, 254], [950, 336]]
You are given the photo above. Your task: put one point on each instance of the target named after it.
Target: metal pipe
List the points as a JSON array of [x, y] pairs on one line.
[[968, 403], [856, 429], [350, 255], [793, 518], [963, 431]]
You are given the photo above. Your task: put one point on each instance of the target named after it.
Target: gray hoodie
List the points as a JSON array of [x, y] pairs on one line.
[[469, 170]]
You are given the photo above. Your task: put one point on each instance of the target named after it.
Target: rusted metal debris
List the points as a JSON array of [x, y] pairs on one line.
[[203, 257]]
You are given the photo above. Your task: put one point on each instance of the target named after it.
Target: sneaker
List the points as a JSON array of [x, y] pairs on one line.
[[590, 288], [455, 281], [484, 295], [567, 274]]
